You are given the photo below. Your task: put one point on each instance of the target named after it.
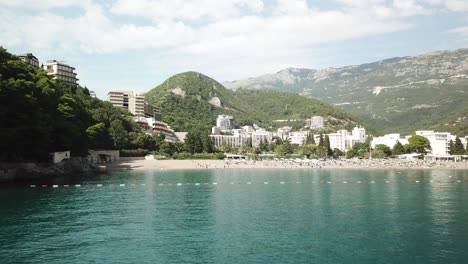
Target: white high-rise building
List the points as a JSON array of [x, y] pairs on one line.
[[440, 141], [30, 59], [225, 122], [60, 71], [298, 137], [261, 135], [344, 140], [339, 140], [316, 122], [132, 102]]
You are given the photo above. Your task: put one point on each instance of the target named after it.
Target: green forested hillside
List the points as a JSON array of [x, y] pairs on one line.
[[193, 99], [39, 115]]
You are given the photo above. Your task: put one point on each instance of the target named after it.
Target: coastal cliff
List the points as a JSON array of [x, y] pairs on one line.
[[30, 171]]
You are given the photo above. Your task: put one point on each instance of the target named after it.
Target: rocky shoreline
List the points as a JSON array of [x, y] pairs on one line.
[[33, 171]]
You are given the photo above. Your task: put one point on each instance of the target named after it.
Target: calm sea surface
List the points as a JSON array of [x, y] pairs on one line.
[[240, 216]]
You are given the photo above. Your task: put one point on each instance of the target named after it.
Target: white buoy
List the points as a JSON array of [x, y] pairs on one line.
[[99, 185], [265, 183], [215, 183], [249, 183], [54, 186], [197, 183], [78, 185], [281, 182], [122, 185], [32, 186]]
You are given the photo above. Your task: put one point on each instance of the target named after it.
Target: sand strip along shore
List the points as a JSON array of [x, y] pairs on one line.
[[280, 164]]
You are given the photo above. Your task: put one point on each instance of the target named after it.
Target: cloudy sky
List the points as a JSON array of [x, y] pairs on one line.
[[137, 44]]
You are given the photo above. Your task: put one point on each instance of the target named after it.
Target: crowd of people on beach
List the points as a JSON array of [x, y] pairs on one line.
[[341, 163]]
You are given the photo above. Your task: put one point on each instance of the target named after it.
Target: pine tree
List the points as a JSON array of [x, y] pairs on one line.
[[310, 139], [451, 147], [458, 147], [398, 149]]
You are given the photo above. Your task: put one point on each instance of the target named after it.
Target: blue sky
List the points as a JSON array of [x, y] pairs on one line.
[[136, 45]]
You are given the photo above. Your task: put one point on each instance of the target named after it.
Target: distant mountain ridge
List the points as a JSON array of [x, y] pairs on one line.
[[400, 94], [192, 99]]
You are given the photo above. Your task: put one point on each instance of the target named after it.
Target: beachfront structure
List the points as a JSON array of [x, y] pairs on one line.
[[298, 137], [30, 59], [134, 103], [344, 140], [339, 140], [316, 122], [151, 126], [60, 71], [261, 135], [440, 141], [225, 122], [92, 94], [235, 140], [389, 140]]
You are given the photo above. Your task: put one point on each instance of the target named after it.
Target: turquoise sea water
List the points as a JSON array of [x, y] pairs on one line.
[[240, 216]]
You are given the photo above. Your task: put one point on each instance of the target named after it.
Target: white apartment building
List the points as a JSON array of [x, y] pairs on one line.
[[298, 137], [238, 138], [60, 71], [389, 140], [132, 102], [440, 141], [30, 59], [261, 135], [225, 122], [339, 140], [92, 94], [359, 134], [344, 140], [316, 122]]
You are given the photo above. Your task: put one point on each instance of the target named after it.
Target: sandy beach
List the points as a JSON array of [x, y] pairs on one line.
[[141, 164]]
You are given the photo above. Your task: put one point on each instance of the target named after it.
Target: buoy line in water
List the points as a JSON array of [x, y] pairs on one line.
[[187, 184]]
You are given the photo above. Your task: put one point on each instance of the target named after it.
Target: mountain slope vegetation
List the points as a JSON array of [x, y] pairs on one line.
[[398, 95], [193, 99]]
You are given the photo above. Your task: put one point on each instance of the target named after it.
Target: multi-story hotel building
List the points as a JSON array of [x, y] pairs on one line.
[[60, 71], [30, 59], [134, 103]]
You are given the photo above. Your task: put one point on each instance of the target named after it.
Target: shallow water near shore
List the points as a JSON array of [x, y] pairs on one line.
[[240, 216]]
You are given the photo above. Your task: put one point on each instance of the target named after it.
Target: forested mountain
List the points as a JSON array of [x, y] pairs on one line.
[[39, 115], [193, 99], [398, 94]]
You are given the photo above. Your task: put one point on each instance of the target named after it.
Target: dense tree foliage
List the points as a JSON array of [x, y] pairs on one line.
[[457, 147], [398, 149], [192, 98], [40, 115], [418, 144]]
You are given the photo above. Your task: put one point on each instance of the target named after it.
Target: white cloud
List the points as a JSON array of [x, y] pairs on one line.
[[410, 8], [185, 10], [451, 5], [208, 35]]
